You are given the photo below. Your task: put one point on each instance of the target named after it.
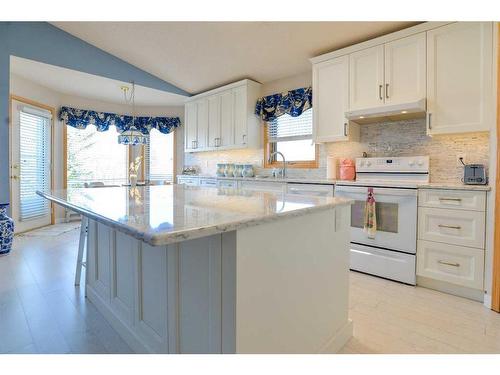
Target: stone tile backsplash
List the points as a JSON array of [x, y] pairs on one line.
[[403, 138]]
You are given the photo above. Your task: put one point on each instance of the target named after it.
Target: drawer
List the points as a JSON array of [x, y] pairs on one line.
[[208, 182], [454, 264], [263, 186], [193, 181], [455, 199], [227, 183], [464, 228]]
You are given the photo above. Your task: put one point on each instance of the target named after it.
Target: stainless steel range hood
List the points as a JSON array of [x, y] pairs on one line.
[[396, 112]]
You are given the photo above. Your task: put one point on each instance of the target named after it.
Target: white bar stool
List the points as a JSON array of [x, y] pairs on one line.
[[81, 247]]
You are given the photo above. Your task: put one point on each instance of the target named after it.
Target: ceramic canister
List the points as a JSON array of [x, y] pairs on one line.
[[6, 230], [229, 170]]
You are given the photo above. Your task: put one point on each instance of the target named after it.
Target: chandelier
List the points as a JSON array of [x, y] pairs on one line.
[[132, 136]]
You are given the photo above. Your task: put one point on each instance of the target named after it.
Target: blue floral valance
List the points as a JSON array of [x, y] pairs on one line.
[[80, 118], [293, 102]]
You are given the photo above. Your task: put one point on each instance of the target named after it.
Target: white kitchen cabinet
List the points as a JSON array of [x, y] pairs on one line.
[[202, 123], [227, 121], [225, 118], [404, 67], [214, 119], [366, 78], [240, 116], [459, 77], [331, 101], [191, 126]]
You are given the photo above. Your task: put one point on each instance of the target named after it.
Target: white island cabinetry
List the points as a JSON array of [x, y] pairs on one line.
[[188, 269]]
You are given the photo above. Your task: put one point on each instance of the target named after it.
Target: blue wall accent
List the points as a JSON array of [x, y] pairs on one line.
[[40, 41]]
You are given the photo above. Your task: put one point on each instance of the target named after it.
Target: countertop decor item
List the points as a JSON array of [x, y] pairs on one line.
[[229, 170], [331, 168], [190, 171], [220, 169], [238, 169], [6, 230], [347, 169], [247, 171]]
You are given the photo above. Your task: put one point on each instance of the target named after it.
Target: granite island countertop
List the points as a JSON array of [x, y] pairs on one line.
[[165, 214]]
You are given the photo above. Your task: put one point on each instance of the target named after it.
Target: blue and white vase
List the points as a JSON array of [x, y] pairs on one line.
[[247, 170], [6, 230]]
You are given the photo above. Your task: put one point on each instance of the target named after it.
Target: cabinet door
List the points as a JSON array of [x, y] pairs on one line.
[[459, 77], [240, 115], [226, 120], [366, 70], [214, 120], [405, 73], [191, 126], [202, 116], [331, 100]]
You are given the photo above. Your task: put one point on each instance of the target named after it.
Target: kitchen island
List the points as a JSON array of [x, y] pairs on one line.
[[182, 269]]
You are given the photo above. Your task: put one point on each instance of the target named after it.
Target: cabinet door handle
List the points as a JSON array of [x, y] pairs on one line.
[[387, 90], [193, 144], [449, 226], [450, 199], [449, 263], [345, 129], [380, 92], [243, 139], [429, 115]]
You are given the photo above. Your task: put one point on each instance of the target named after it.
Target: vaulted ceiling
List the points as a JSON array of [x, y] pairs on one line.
[[197, 56]]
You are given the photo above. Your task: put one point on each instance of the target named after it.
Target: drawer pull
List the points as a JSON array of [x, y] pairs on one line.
[[450, 199], [449, 226], [449, 263]]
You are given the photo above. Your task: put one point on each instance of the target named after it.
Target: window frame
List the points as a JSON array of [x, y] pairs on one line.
[[269, 147]]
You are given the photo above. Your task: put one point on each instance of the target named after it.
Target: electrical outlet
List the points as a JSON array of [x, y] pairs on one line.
[[464, 158]]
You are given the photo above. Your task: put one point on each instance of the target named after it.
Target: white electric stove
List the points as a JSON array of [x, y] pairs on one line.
[[392, 252]]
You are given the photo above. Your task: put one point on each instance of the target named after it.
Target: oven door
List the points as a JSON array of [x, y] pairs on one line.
[[396, 211]]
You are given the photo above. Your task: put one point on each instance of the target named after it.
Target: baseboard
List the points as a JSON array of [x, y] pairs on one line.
[[457, 290], [339, 339], [126, 334]]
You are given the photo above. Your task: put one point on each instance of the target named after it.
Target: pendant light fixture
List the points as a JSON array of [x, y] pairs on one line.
[[132, 136]]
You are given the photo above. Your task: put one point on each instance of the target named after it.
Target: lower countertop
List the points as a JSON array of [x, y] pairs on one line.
[[325, 181], [164, 214]]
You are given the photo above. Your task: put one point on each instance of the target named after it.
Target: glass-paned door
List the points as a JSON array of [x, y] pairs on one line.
[[30, 165]]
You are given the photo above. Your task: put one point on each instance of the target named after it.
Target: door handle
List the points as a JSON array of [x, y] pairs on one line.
[[449, 263], [345, 129], [14, 177], [450, 199], [243, 139], [429, 115], [449, 226], [387, 90], [380, 92]]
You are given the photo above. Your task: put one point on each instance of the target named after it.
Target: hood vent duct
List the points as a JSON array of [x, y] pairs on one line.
[[395, 112]]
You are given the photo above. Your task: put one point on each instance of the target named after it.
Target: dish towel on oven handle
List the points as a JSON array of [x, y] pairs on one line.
[[370, 223]]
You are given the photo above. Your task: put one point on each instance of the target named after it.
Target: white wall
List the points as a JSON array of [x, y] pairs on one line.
[[20, 86]]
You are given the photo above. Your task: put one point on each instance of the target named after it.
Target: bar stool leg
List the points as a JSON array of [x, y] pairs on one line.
[[81, 247]]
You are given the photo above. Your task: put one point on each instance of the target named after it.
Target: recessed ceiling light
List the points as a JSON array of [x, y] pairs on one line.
[[361, 116], [404, 111]]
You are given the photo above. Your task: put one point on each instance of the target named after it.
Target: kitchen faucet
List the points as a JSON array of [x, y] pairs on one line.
[[284, 161]]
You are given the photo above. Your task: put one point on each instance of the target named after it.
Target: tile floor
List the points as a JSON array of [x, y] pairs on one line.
[[42, 312]]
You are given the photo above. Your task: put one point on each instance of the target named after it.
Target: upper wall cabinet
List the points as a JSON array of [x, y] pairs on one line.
[[404, 70], [331, 101], [223, 118], [459, 79], [366, 78]]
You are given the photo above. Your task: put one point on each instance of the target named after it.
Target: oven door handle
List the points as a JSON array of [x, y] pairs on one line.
[[376, 191]]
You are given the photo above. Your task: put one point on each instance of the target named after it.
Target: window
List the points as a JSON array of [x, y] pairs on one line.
[[291, 136], [34, 155], [159, 156], [95, 156]]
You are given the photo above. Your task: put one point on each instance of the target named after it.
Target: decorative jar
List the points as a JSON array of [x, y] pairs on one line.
[[220, 169], [6, 230], [238, 168], [247, 170], [229, 170]]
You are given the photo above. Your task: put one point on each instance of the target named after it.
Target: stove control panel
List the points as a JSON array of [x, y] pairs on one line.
[[404, 164]]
